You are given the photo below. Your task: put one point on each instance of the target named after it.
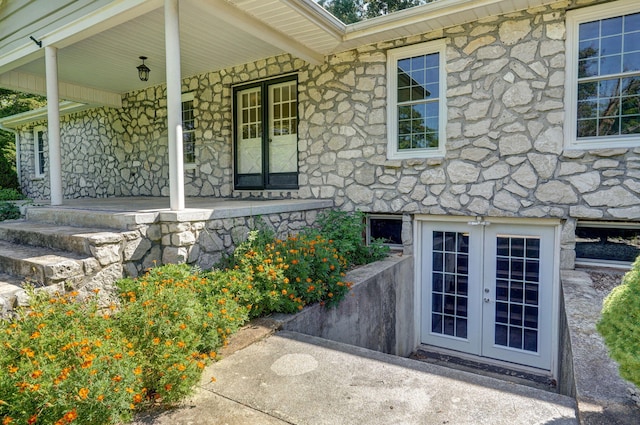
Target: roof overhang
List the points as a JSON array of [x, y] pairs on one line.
[[100, 42], [14, 122]]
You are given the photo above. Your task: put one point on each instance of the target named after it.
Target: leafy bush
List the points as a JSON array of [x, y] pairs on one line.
[[9, 211], [176, 319], [272, 275], [347, 230], [62, 361], [620, 324], [10, 195]]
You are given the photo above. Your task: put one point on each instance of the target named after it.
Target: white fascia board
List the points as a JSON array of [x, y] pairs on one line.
[[431, 11], [12, 122], [115, 13], [319, 16], [30, 83], [259, 29]]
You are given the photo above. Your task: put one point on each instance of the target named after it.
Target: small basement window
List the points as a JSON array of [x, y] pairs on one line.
[[386, 227], [607, 243]]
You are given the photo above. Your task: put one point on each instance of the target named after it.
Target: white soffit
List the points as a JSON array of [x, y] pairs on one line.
[[430, 17]]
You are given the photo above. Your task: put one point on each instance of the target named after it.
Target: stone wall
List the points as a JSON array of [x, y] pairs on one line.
[[505, 153]]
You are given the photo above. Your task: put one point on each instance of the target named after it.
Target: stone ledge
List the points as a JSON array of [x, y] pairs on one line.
[[602, 396]]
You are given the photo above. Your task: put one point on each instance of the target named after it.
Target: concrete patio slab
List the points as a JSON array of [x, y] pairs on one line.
[[298, 379]]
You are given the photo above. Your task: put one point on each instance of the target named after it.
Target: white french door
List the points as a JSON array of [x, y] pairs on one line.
[[488, 289]]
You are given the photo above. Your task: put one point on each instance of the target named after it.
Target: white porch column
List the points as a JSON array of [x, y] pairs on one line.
[[174, 104], [53, 118]]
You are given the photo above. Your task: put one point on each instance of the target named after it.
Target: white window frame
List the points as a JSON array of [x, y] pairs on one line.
[[574, 19], [36, 151], [188, 97], [393, 56]]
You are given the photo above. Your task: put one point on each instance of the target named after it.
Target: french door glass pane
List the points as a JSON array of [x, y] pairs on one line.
[[517, 287], [449, 292], [283, 124], [249, 131]]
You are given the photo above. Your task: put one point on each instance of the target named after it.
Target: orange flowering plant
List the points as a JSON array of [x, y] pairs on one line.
[[62, 361], [177, 322]]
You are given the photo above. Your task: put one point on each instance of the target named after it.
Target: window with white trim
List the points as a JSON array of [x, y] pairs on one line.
[[416, 110], [188, 130], [603, 76], [39, 149]]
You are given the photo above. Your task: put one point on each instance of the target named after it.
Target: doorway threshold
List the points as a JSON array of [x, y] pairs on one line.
[[485, 367]]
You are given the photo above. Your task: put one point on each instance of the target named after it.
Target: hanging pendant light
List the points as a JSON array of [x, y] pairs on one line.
[[143, 70]]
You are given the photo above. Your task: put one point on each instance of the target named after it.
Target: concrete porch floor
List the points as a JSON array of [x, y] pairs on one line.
[[121, 212]]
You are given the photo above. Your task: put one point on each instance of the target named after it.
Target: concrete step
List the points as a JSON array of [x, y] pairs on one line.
[[10, 287], [89, 218], [43, 266], [57, 237]]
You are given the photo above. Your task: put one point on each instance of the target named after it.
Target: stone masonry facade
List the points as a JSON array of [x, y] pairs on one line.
[[505, 151]]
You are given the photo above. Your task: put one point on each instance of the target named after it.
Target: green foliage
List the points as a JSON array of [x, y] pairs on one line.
[[347, 230], [9, 211], [62, 361], [10, 195], [12, 103], [350, 11], [176, 319], [620, 324], [283, 276]]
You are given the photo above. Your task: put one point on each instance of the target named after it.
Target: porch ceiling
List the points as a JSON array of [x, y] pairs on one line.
[[98, 62], [98, 51]]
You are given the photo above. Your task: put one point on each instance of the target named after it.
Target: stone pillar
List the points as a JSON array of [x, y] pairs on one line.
[[53, 117], [174, 104]]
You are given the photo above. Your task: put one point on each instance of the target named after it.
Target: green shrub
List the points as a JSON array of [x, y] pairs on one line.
[[9, 211], [62, 361], [620, 324], [176, 319], [347, 230], [10, 195], [272, 275]]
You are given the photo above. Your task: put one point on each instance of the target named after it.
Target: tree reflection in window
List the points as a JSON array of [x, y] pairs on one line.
[[609, 77], [418, 102]]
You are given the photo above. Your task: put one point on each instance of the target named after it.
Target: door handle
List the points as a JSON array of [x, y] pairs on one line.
[[487, 299]]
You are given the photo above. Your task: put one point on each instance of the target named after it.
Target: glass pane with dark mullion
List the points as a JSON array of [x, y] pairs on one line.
[[515, 337], [449, 326], [436, 323], [530, 340], [501, 334], [461, 328]]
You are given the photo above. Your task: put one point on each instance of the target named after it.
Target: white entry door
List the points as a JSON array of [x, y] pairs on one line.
[[488, 290]]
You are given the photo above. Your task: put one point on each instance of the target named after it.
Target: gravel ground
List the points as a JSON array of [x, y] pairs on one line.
[[604, 280]]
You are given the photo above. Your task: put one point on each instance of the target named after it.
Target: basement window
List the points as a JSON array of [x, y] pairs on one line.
[[385, 227], [614, 244]]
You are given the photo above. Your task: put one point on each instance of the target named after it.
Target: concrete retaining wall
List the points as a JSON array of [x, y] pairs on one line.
[[378, 312]]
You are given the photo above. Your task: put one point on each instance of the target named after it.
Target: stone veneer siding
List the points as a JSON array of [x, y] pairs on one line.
[[505, 151], [189, 237]]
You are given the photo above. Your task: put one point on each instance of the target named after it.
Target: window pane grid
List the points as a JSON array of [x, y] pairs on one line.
[[188, 132], [450, 281], [418, 102], [609, 77], [285, 112], [517, 289], [41, 152]]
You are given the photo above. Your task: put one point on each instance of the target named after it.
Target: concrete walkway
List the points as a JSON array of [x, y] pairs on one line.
[[291, 378]]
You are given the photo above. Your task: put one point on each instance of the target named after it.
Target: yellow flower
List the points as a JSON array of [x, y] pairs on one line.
[[137, 371], [83, 393]]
